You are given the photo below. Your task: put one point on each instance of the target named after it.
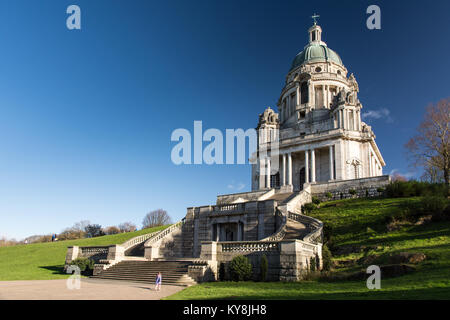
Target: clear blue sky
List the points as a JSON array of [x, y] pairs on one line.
[[86, 116]]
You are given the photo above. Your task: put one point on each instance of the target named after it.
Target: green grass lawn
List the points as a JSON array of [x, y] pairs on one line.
[[44, 261], [350, 220]]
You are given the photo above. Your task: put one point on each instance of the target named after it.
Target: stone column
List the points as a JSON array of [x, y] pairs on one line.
[[359, 120], [262, 170], [307, 166], [72, 254], [313, 166], [355, 123], [268, 172], [239, 231], [298, 94], [290, 169], [284, 170], [323, 95], [331, 163]]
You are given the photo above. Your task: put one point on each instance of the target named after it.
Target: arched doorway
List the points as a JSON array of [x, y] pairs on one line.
[[302, 178]]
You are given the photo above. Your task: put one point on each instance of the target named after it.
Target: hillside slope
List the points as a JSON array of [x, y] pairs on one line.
[[44, 261], [360, 237]]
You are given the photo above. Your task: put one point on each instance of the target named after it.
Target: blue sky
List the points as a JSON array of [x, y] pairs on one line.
[[86, 116]]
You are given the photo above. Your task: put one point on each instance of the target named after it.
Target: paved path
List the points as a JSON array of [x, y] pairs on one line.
[[90, 289]]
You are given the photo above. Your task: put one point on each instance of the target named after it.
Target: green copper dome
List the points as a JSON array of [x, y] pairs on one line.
[[316, 52]]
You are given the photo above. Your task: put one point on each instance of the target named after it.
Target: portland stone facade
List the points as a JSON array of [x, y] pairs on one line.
[[315, 145]]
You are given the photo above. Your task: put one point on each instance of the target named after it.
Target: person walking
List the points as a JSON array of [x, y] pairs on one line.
[[158, 282]]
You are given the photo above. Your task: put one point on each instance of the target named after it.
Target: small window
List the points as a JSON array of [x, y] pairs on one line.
[[339, 72], [302, 114], [318, 69], [313, 36]]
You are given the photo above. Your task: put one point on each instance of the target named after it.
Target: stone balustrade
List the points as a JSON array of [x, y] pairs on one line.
[[288, 260], [249, 246]]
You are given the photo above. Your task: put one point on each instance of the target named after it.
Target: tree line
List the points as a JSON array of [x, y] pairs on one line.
[[86, 229]]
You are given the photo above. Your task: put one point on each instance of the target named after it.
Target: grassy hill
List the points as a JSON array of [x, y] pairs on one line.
[[360, 237], [44, 261]]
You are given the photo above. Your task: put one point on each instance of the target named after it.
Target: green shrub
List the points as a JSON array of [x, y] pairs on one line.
[[352, 192], [86, 265], [316, 200], [329, 195], [308, 207], [264, 265], [380, 190], [370, 231], [222, 271], [398, 189], [436, 206], [367, 193], [326, 258], [312, 264], [327, 232], [240, 269]]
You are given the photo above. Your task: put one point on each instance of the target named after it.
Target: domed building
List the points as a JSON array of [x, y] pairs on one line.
[[321, 137], [315, 146]]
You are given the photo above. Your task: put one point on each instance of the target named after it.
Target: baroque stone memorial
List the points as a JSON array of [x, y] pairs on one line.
[[316, 145]]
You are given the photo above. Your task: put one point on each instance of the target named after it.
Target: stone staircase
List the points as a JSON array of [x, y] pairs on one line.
[[294, 230], [140, 270]]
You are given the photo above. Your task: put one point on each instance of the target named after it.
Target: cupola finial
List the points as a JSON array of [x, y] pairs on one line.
[[315, 16]]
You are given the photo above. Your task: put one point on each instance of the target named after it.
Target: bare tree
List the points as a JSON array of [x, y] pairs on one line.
[[111, 230], [156, 218], [127, 227], [81, 226], [430, 147]]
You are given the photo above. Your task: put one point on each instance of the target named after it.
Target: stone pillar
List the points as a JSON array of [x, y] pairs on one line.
[[217, 232], [209, 250], [116, 252], [290, 169], [72, 254], [298, 94], [307, 166], [268, 172], [355, 123], [331, 163], [359, 120], [261, 165], [284, 170], [239, 231], [323, 95], [313, 166]]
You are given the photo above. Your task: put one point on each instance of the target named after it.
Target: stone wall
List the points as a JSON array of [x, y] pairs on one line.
[[244, 196], [94, 253], [365, 187], [259, 221], [288, 260]]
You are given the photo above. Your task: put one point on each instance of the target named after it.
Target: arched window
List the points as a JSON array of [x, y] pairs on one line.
[[304, 96]]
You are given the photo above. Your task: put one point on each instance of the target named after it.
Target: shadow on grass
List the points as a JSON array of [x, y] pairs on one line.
[[59, 269], [438, 293]]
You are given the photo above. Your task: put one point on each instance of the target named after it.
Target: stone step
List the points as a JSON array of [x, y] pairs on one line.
[[148, 280], [294, 230], [173, 272]]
